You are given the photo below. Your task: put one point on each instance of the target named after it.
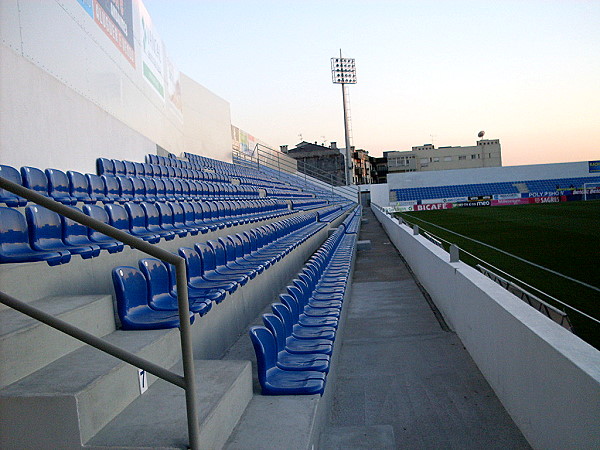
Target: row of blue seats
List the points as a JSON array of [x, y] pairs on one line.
[[117, 167], [294, 347], [351, 223], [147, 297], [72, 187], [43, 235], [330, 213]]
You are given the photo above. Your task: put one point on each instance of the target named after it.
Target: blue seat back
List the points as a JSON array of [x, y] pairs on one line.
[[118, 216], [150, 188], [219, 252], [35, 179], [58, 186], [170, 172], [148, 170], [112, 190], [283, 312], [140, 170], [229, 248], [45, 228], [131, 290], [119, 167], [198, 213], [14, 236], [161, 191], [129, 168], [79, 187], [166, 216], [157, 277], [98, 213], [96, 187], [178, 216], [11, 174], [139, 189], [125, 188], [137, 218], [238, 245], [169, 189], [74, 233], [189, 216], [265, 348], [193, 263], [192, 189], [177, 172], [152, 216], [105, 166], [275, 326], [206, 255]]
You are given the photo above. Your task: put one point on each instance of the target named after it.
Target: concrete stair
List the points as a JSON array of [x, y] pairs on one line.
[[27, 345]]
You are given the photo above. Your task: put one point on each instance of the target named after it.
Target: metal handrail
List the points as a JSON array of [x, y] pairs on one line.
[[187, 382]]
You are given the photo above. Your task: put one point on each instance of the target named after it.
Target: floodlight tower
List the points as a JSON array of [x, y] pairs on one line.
[[343, 71]]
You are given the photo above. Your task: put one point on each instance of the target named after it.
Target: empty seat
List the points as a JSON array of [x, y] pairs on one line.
[[196, 274], [112, 188], [131, 293], [6, 197], [137, 222], [140, 170], [119, 167], [125, 189], [101, 239], [159, 289], [35, 180], [166, 220], [58, 187], [76, 234], [45, 233], [105, 167], [129, 168], [14, 242], [274, 380], [79, 187], [153, 221], [96, 187]]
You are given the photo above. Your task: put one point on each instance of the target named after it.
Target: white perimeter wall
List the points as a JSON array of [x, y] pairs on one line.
[[487, 175], [68, 95], [547, 378]]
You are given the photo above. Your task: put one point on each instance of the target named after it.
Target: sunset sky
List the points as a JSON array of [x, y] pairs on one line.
[[525, 72]]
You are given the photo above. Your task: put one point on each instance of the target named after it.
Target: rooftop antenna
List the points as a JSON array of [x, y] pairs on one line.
[[433, 136], [300, 137]]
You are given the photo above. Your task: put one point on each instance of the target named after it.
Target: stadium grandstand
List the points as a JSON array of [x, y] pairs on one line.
[[169, 281]]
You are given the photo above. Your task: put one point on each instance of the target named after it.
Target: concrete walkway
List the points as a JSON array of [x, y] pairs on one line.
[[404, 382]]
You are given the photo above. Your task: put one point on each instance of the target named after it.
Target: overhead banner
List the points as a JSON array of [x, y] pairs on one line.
[[153, 62], [594, 166]]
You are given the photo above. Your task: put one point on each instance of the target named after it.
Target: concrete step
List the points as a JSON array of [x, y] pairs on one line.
[[27, 345], [68, 401], [157, 419], [357, 437]]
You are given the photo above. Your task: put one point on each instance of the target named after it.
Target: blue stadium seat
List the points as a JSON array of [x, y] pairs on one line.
[[225, 267], [45, 234], [292, 345], [153, 221], [139, 190], [131, 293], [79, 187], [149, 189], [76, 234], [137, 221], [100, 239], [14, 242], [275, 381], [112, 189], [166, 220], [201, 278], [35, 180], [148, 170], [317, 317], [140, 170], [159, 289], [119, 168], [125, 189], [129, 168], [105, 167], [96, 187], [298, 331], [179, 219], [58, 187], [6, 197], [190, 220]]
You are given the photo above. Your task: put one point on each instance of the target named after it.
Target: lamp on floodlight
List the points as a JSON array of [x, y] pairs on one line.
[[343, 71], [481, 134]]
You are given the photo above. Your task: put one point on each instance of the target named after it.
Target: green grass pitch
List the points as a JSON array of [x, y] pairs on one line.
[[564, 237]]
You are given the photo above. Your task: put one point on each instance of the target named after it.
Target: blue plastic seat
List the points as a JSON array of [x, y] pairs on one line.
[[199, 278], [153, 221], [179, 219], [76, 234], [14, 242], [112, 190], [35, 180], [166, 220], [125, 189], [119, 168], [79, 187], [129, 168], [139, 190], [96, 187], [304, 319], [131, 293], [189, 217], [159, 289], [169, 189], [137, 222], [45, 233], [105, 167], [6, 197], [292, 345], [58, 187], [276, 381], [149, 189], [100, 239], [213, 267], [140, 170], [298, 331]]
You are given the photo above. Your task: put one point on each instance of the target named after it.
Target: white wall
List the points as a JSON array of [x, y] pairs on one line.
[[207, 124], [547, 378], [487, 175], [380, 194]]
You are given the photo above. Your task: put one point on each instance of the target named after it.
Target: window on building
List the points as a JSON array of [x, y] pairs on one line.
[[436, 159], [462, 157], [447, 158], [424, 160]]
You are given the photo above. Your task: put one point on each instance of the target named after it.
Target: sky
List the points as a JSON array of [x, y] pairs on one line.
[[525, 72]]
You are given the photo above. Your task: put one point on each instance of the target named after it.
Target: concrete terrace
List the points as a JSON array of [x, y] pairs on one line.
[[402, 380]]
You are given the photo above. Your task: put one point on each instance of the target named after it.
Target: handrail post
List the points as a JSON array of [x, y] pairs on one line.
[[187, 354]]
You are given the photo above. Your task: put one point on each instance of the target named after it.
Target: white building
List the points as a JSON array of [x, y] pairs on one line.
[[487, 153]]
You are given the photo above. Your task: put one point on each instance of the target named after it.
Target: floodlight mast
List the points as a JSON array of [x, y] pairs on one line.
[[343, 71]]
